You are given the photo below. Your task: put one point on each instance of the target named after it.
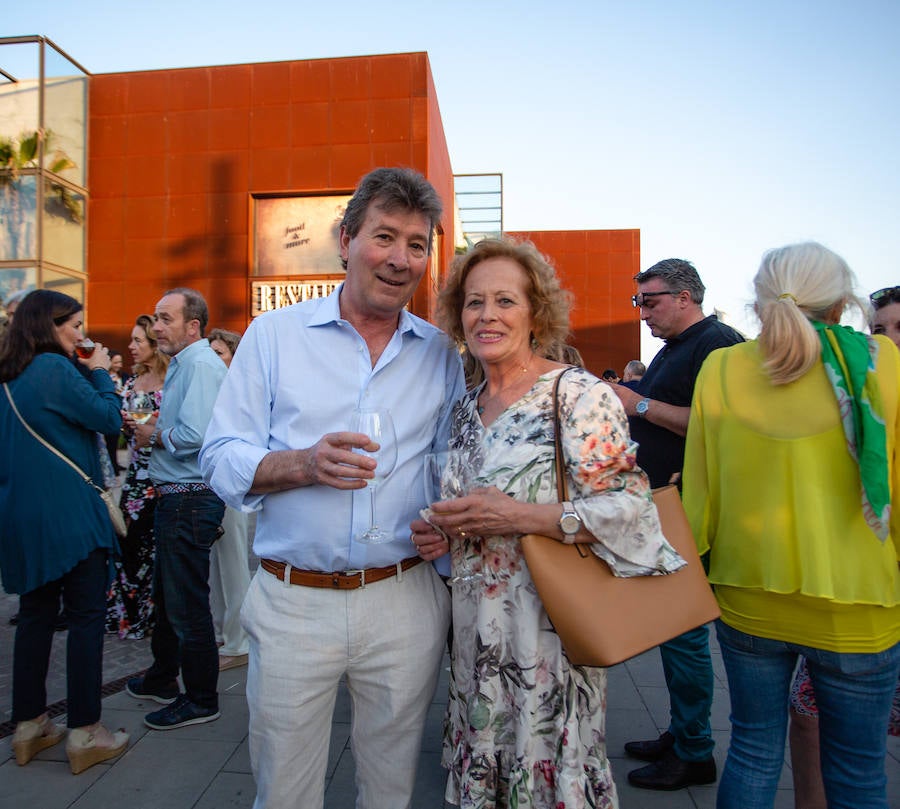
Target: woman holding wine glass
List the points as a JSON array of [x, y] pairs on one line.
[[524, 726], [130, 602]]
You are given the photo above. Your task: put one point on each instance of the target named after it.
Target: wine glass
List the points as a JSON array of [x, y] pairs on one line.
[[140, 406], [378, 425], [84, 348], [447, 475]]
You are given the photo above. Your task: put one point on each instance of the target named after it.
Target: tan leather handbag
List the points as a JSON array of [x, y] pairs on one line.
[[602, 619]]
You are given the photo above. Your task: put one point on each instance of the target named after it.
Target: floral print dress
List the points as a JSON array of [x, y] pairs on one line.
[[524, 728], [130, 609]]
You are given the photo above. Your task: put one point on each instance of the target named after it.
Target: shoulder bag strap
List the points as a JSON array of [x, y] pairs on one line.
[[561, 485], [54, 450]]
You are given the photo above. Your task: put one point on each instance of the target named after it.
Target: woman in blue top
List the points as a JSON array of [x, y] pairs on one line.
[[56, 538]]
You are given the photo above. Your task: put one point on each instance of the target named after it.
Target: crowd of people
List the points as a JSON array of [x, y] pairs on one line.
[[784, 448]]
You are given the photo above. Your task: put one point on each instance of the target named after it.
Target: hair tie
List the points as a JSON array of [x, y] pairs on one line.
[[784, 295]]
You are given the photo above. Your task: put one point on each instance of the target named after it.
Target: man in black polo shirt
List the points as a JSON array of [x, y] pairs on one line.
[[670, 297]]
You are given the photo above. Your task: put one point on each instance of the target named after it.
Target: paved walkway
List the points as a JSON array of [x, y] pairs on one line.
[[208, 766]]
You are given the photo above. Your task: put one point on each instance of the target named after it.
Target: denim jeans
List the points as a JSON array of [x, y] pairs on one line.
[[687, 666], [186, 526], [83, 591], [854, 694]]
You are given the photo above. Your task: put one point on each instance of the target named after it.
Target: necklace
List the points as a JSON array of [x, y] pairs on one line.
[[516, 381]]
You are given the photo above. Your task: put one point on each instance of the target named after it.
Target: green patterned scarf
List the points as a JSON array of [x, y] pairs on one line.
[[849, 358]]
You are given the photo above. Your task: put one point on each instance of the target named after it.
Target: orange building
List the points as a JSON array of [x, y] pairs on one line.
[[231, 180]]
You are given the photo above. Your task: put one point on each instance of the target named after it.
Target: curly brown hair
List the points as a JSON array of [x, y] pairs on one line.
[[550, 303]]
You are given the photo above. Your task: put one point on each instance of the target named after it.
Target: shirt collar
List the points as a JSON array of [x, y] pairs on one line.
[[329, 312], [186, 352]]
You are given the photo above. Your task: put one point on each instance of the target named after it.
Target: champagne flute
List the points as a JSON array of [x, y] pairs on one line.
[[378, 425], [140, 406]]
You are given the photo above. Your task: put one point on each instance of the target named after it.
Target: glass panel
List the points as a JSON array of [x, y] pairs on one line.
[[18, 216], [68, 284], [65, 114], [63, 226], [18, 90], [14, 279]]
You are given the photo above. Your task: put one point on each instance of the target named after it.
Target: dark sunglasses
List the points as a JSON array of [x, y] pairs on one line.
[[638, 300], [885, 296]]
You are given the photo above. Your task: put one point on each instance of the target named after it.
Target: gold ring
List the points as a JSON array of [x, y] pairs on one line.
[[461, 532]]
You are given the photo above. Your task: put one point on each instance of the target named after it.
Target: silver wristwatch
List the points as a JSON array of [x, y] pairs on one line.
[[569, 523], [642, 407]]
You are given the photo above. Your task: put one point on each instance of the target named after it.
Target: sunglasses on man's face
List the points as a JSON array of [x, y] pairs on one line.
[[885, 296], [639, 299]]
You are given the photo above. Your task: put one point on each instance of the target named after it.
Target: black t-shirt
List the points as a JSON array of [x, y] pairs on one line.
[[670, 378]]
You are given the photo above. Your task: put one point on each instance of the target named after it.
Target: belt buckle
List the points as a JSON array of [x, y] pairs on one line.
[[360, 573]]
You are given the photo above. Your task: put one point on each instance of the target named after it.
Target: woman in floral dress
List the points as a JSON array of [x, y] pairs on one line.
[[130, 604], [524, 727]]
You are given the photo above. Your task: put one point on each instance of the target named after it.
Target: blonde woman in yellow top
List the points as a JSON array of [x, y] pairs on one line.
[[789, 471]]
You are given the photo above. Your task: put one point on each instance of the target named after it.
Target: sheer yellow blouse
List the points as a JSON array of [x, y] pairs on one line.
[[773, 494]]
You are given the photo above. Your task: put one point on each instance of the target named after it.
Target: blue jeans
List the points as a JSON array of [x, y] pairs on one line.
[[687, 666], [854, 694], [83, 591], [185, 528]]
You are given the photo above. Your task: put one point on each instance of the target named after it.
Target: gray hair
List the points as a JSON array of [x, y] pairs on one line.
[[677, 274], [393, 189]]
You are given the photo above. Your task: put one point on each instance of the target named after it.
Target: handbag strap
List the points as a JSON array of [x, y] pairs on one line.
[[562, 489], [48, 445]]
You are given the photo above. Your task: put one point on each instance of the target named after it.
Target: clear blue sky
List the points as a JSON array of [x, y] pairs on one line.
[[718, 129]]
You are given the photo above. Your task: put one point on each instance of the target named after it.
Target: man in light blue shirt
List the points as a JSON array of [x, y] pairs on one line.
[[186, 523], [323, 604]]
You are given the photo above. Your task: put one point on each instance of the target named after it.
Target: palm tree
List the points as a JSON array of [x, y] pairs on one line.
[[18, 197]]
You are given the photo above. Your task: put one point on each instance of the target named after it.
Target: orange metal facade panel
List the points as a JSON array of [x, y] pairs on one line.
[[108, 91], [351, 78], [188, 90], [108, 135], [391, 77], [310, 124], [350, 121], [187, 131], [229, 129], [145, 217], [270, 84], [146, 134], [106, 219], [349, 163], [229, 86], [187, 216], [107, 177], [228, 171], [392, 154], [269, 170], [107, 259], [270, 127], [187, 173], [311, 168], [391, 120], [311, 80], [148, 92], [144, 176]]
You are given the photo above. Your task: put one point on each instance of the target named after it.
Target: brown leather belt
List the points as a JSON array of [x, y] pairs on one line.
[[338, 580]]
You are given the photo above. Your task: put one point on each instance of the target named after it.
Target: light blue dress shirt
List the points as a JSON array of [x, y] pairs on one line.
[[301, 372], [192, 383]]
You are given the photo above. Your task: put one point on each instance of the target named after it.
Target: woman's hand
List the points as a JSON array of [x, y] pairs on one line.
[[428, 540], [484, 512]]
